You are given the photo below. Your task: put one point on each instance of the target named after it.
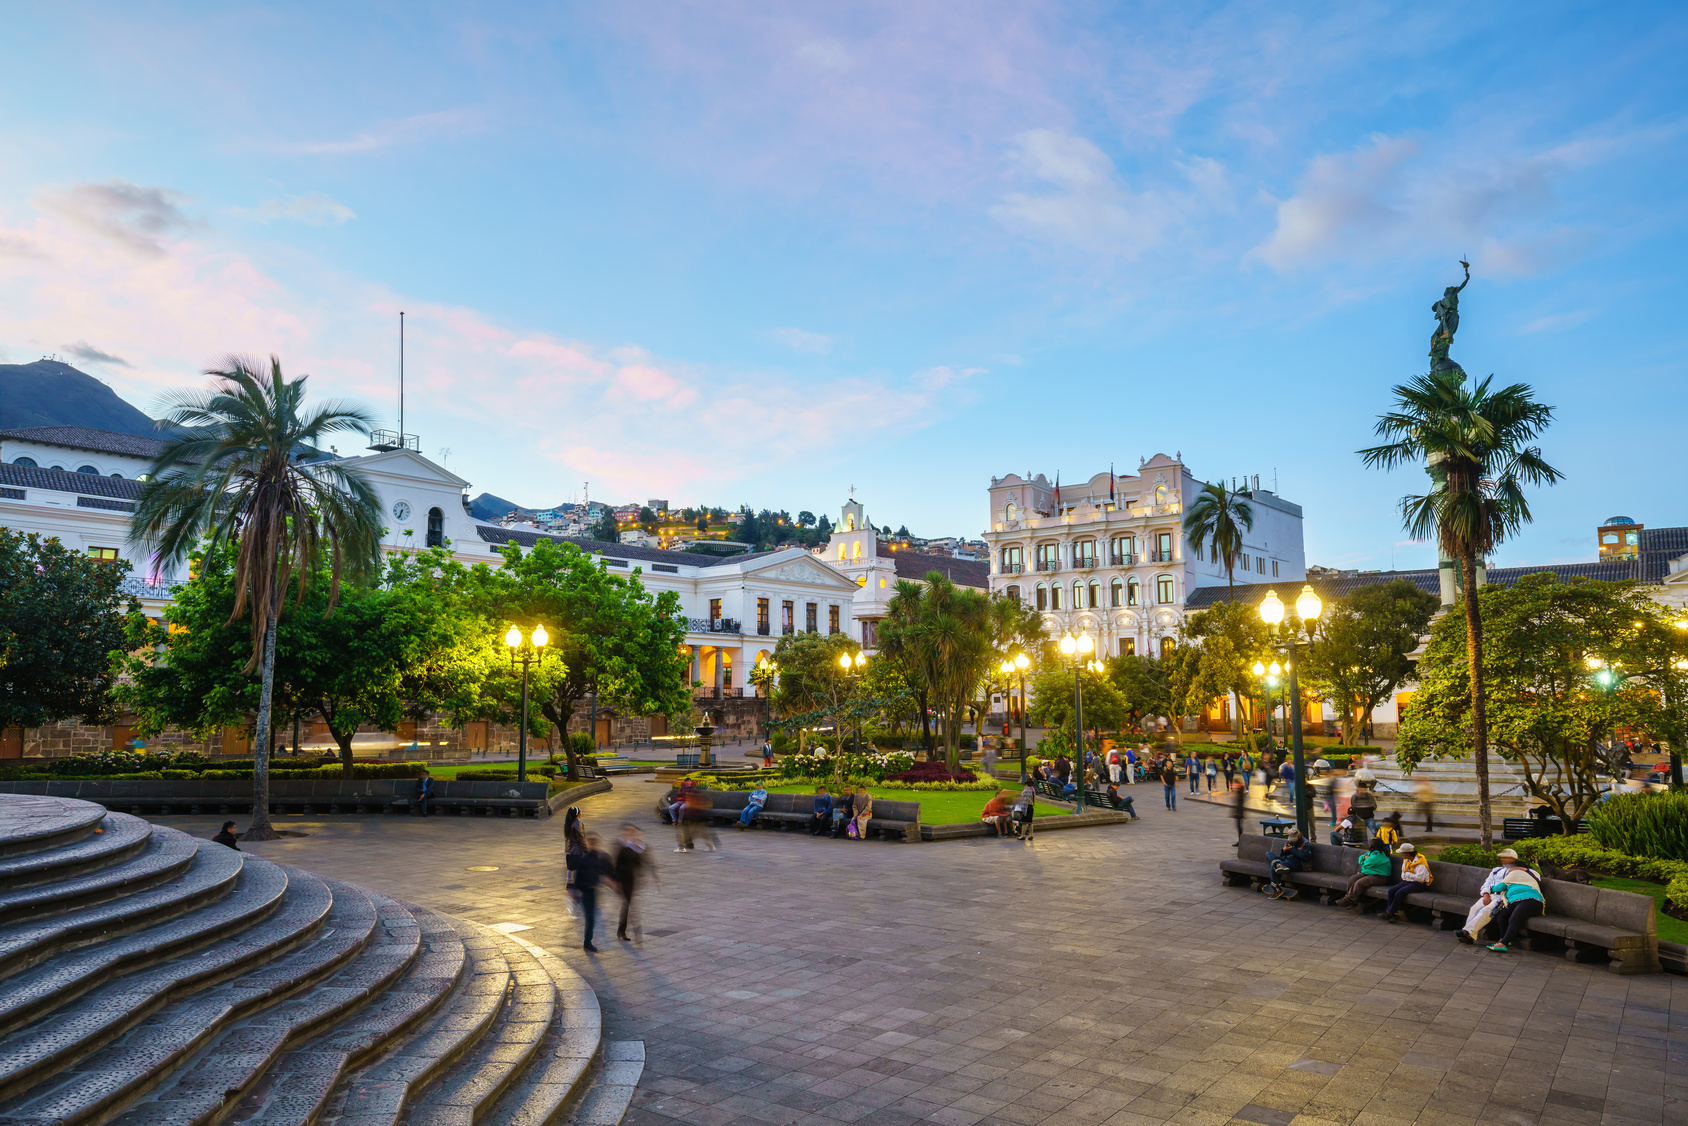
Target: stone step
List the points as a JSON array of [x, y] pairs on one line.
[[30, 824], [295, 1090], [76, 1071], [209, 877], [609, 1093], [561, 1071], [382, 939], [31, 993], [164, 857], [379, 1094], [463, 1094], [115, 838]]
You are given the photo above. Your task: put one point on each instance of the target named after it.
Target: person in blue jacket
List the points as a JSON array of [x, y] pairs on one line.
[[758, 799], [822, 819], [424, 791], [1295, 856], [1523, 898]]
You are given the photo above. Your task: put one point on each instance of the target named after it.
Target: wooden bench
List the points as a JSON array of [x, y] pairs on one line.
[[614, 764], [899, 818], [1522, 828], [1585, 923], [694, 758], [1101, 800]]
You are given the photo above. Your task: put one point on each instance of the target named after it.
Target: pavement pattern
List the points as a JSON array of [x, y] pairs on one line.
[[1095, 976]]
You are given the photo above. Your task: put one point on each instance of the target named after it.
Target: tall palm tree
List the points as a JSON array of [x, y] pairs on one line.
[[1218, 517], [243, 469], [941, 634], [899, 641], [1476, 445]]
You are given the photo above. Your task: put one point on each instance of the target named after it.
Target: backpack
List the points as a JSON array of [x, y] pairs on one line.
[[852, 832]]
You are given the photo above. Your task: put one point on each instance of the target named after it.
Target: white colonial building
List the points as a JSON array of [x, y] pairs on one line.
[[1108, 556]]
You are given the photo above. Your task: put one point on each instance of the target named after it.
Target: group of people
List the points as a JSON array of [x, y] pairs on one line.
[[590, 867], [1009, 816]]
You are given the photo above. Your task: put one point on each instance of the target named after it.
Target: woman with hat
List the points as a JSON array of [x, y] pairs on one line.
[[1415, 876], [1522, 899], [1490, 900]]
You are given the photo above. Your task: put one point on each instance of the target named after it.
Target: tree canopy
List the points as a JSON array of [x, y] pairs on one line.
[[1363, 649]]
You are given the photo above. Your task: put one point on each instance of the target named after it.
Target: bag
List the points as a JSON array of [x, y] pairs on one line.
[[852, 832]]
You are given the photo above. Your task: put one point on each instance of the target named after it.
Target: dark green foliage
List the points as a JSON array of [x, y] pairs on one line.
[[1643, 824], [1475, 855]]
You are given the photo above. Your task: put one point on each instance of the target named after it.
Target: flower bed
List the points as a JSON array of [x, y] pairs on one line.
[[931, 772], [823, 763]]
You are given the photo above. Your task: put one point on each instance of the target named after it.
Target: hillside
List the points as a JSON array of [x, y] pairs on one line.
[[50, 393]]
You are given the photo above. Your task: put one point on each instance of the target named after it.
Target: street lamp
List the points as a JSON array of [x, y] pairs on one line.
[[1077, 651], [1011, 666], [531, 654], [853, 669], [1308, 607]]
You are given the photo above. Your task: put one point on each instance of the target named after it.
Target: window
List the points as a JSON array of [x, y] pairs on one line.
[[1165, 549], [1120, 549], [1055, 597], [1163, 589], [1632, 538], [1162, 494], [1245, 560], [1132, 595], [1117, 590], [843, 552], [1012, 512], [1128, 647], [1260, 564], [811, 623], [1084, 553], [1013, 594], [762, 615], [1166, 647], [103, 554], [1609, 537], [1042, 597], [29, 462], [1013, 560], [1196, 547], [832, 619], [88, 469], [714, 609], [1095, 595], [436, 528], [788, 615], [1048, 557], [1274, 568], [856, 551], [1078, 596]]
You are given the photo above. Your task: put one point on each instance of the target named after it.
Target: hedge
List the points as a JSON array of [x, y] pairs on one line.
[[362, 770], [1581, 852], [496, 775]]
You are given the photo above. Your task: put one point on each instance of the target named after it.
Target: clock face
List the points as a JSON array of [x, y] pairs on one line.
[[401, 511]]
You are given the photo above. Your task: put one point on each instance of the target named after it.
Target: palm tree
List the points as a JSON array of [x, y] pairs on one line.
[[1476, 446], [243, 469], [941, 634], [1218, 517]]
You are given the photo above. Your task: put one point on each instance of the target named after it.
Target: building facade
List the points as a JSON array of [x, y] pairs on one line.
[[1108, 556]]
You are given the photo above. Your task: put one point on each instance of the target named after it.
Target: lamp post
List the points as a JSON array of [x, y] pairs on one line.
[[1308, 607], [1010, 666], [1077, 651], [853, 667], [532, 653]]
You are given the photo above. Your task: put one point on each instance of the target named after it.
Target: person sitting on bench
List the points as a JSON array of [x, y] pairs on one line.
[[1389, 832], [424, 791], [1415, 876], [1374, 872], [1295, 856], [1523, 902], [758, 799], [1490, 900], [821, 820], [995, 814]]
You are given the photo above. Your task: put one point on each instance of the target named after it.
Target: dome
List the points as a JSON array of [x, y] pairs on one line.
[[1618, 520]]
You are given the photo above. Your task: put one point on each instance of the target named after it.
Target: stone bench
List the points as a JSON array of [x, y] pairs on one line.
[[901, 818], [1586, 923], [292, 795]]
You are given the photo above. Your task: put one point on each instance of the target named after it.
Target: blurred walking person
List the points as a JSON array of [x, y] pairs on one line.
[[589, 866], [633, 864]]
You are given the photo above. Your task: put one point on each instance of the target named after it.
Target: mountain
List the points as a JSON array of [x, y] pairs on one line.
[[488, 507], [50, 393]]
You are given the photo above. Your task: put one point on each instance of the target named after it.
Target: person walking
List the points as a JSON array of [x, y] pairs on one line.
[[1362, 807], [589, 866], [1239, 806], [1245, 767], [1113, 765], [1212, 772], [1169, 779], [633, 864], [1228, 763], [1415, 876], [1192, 771], [1286, 774]]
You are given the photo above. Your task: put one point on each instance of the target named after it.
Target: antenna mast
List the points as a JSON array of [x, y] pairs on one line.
[[401, 376]]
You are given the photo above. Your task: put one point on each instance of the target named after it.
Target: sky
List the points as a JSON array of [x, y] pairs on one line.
[[759, 253]]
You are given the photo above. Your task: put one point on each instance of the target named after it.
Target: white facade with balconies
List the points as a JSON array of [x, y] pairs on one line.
[[1108, 556]]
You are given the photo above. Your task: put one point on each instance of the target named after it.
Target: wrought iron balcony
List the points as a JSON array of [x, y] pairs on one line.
[[1048, 565], [712, 625], [1160, 556], [1013, 568], [762, 628]]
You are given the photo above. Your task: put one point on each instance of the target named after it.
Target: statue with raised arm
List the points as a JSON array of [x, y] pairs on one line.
[[1447, 323]]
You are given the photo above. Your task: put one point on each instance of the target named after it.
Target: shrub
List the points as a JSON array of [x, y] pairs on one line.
[[1643, 824], [1582, 852], [931, 772], [499, 774], [822, 763], [1475, 855], [582, 744]]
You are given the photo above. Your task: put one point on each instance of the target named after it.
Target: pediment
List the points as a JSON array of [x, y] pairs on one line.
[[803, 569], [410, 465]]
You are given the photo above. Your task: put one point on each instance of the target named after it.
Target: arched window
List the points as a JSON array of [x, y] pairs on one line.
[[1095, 595], [25, 461], [1132, 592], [843, 548], [1055, 597], [1118, 591], [1012, 592], [436, 528], [1163, 589], [1042, 597], [1078, 595], [1012, 512], [88, 469], [119, 476], [1162, 494], [857, 552]]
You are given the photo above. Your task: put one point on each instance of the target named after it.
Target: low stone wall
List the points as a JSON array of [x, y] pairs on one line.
[[1040, 825]]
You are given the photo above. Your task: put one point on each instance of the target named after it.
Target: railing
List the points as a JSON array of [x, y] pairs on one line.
[[1159, 557], [787, 630], [712, 625], [1013, 568], [1085, 564], [762, 629], [1124, 559], [1048, 565]]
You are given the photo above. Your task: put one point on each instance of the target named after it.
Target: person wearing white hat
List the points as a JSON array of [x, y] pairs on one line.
[[1489, 901], [1415, 876], [1524, 901]]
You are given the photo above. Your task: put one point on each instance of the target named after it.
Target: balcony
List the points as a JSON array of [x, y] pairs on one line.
[[713, 625], [1159, 557], [763, 629], [1125, 559], [1084, 563], [1048, 565], [1013, 568]]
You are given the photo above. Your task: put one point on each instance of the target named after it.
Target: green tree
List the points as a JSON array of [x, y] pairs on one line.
[[1363, 649], [703, 523], [1477, 445], [608, 634], [812, 683], [61, 618], [1105, 706], [1558, 670], [941, 633], [239, 471], [604, 529], [1218, 518], [806, 519], [647, 519], [1231, 638]]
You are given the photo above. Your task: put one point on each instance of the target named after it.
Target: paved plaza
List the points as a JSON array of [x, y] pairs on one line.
[[1098, 976]]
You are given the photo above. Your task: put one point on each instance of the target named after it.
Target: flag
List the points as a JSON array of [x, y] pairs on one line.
[[1110, 481], [1057, 494]]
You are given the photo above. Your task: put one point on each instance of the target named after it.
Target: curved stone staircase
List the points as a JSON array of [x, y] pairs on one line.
[[147, 977]]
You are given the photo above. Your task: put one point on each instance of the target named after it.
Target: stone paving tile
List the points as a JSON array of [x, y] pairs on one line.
[[1101, 976]]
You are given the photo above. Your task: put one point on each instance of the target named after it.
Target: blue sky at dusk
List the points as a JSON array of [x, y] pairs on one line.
[[756, 253]]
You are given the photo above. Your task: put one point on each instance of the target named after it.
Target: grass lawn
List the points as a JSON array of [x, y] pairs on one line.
[[937, 807], [1670, 930]]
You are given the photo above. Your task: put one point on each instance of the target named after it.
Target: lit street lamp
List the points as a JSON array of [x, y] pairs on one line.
[[1077, 651], [1308, 607], [532, 654], [1010, 666], [853, 668]]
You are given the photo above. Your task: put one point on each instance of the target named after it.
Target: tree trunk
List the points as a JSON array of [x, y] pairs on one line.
[[1479, 701], [925, 723], [260, 828], [345, 742]]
